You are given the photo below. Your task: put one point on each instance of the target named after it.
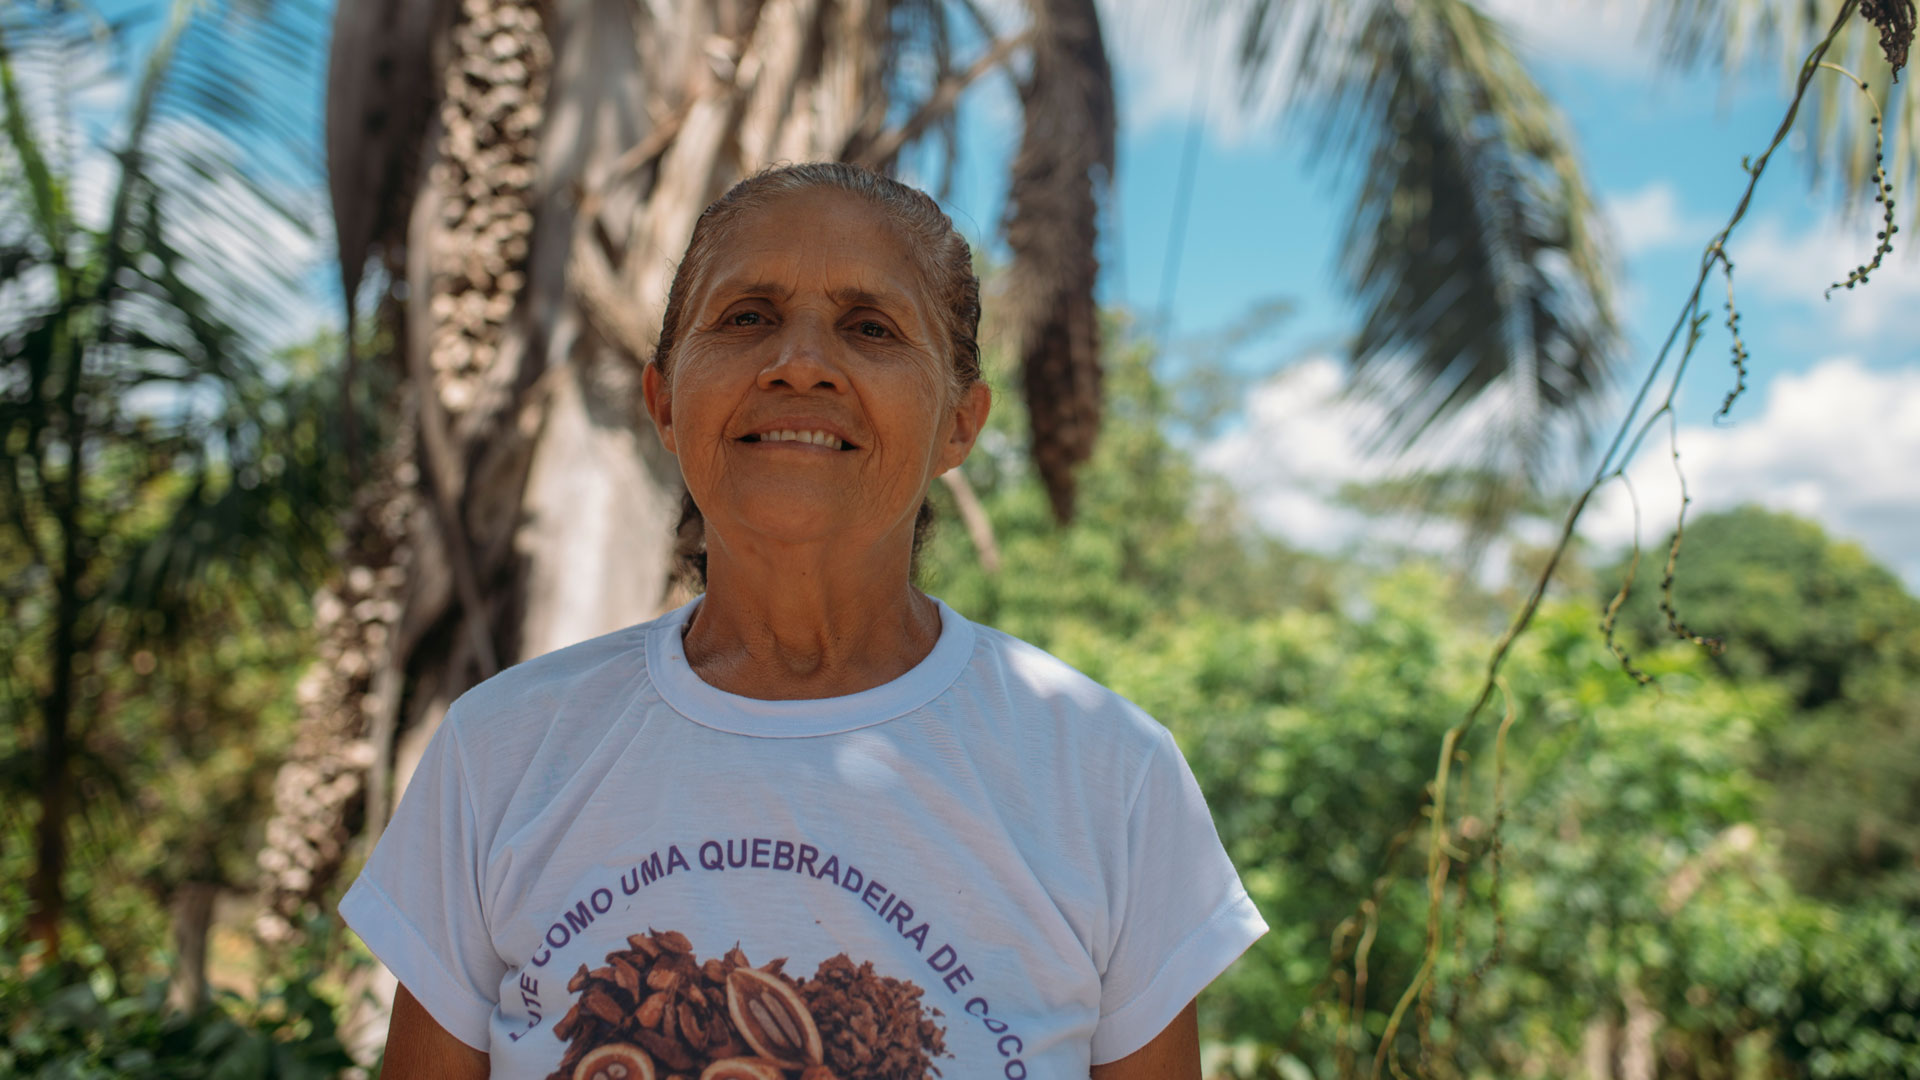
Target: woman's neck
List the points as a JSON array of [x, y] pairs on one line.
[[786, 633]]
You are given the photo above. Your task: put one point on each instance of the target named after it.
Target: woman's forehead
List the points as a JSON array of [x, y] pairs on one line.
[[817, 240]]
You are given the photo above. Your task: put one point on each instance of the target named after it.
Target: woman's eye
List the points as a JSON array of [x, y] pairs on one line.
[[744, 318], [872, 329]]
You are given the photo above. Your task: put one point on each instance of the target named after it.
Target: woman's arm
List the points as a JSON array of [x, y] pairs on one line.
[[1174, 1054], [418, 1048]]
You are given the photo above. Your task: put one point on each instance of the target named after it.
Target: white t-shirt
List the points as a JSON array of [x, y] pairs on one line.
[[991, 865]]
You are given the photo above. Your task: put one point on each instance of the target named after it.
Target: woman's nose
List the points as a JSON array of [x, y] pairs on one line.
[[803, 359]]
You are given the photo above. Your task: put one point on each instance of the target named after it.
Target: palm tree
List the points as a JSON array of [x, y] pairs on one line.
[[148, 445], [525, 172]]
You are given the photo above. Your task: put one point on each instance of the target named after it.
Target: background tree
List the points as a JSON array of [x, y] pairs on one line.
[[1649, 911], [1672, 896], [149, 449], [1817, 616], [531, 190]]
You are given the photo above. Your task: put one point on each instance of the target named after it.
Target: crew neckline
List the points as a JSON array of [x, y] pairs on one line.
[[709, 706]]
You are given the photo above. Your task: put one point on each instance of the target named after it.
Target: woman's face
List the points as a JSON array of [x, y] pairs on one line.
[[810, 396]]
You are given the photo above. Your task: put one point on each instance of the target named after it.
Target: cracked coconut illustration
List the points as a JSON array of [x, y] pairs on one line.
[[657, 1012]]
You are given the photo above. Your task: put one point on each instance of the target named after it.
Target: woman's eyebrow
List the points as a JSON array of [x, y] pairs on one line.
[[765, 289], [885, 301]]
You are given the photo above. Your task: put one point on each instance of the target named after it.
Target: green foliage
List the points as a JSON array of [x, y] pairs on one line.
[[64, 1022], [1644, 864], [174, 763], [1149, 531], [1839, 633], [1314, 735], [1790, 604], [169, 484], [1836, 990]]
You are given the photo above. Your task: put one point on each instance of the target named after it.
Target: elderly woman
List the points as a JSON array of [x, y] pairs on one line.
[[812, 824]]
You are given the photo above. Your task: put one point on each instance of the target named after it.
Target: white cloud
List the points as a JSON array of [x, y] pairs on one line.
[[1295, 450], [1171, 57], [1599, 34], [1839, 444], [1651, 218], [1299, 442], [1772, 263]]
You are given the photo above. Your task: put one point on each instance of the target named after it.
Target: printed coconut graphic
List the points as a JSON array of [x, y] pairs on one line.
[[657, 1012]]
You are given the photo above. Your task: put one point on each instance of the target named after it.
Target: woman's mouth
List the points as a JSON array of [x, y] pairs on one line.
[[815, 438]]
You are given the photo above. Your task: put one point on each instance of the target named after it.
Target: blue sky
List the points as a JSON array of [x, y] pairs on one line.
[[1830, 426]]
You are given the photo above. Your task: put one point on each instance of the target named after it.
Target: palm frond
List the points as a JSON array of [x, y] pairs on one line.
[[249, 511], [1060, 172], [1473, 243], [207, 123], [147, 325], [47, 197]]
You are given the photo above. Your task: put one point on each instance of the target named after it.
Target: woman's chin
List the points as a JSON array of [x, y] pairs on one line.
[[775, 524]]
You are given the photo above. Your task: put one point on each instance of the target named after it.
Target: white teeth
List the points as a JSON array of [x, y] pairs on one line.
[[817, 438]]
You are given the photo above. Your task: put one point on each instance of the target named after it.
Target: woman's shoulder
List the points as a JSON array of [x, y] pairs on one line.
[[1040, 686], [575, 678]]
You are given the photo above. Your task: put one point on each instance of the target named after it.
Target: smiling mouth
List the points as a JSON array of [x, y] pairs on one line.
[[814, 438]]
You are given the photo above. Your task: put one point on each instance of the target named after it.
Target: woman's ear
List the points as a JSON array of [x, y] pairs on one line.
[[969, 417], [659, 399]]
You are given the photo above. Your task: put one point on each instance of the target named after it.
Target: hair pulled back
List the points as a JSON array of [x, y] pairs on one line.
[[941, 255]]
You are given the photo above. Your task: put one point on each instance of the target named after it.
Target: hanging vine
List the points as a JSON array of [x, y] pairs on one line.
[[1447, 844]]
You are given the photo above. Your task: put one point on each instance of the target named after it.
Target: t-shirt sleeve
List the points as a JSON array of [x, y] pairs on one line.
[[417, 902], [1179, 913]]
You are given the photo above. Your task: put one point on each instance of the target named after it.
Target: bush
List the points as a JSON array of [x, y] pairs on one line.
[[65, 1022]]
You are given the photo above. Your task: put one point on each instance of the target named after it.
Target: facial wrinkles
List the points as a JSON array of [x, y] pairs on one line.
[[898, 388], [806, 286], [789, 281], [868, 413], [828, 331]]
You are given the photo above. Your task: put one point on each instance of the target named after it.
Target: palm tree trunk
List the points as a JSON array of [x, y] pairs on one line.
[[191, 909], [45, 888], [321, 787]]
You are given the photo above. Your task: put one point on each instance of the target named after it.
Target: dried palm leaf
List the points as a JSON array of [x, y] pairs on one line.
[[1063, 166], [1894, 20], [383, 88]]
